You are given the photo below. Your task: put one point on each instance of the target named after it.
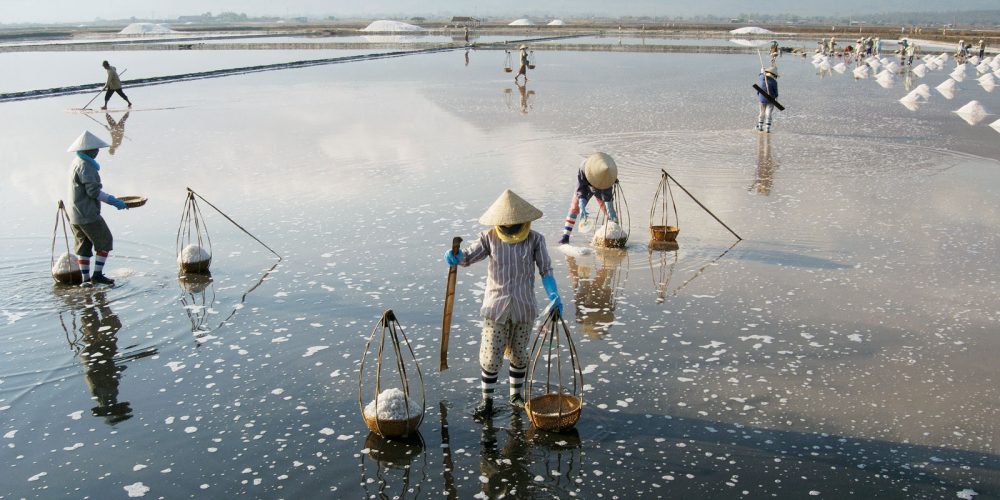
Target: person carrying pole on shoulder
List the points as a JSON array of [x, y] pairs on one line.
[[595, 179], [113, 85], [90, 232], [523, 69], [768, 82], [509, 309]]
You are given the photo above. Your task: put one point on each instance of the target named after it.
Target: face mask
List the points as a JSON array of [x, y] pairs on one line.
[[515, 233]]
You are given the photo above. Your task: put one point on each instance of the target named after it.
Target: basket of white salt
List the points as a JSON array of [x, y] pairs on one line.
[[65, 268], [555, 402], [392, 410], [194, 246], [613, 233]]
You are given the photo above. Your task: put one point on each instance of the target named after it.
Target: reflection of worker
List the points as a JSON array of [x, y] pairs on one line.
[[523, 69], [90, 232], [113, 85], [506, 470], [595, 178], [466, 57], [595, 295], [466, 34], [509, 308], [99, 327], [765, 166], [523, 89], [768, 82], [117, 130]]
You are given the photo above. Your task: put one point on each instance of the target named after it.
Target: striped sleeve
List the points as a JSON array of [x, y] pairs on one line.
[[477, 251], [542, 259]]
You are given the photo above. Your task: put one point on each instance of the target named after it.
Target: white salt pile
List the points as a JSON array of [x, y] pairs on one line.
[[521, 22], [884, 75], [957, 75], [861, 72], [823, 66], [972, 113], [892, 67], [974, 60], [557, 22], [574, 251], [920, 70], [910, 104], [948, 84], [840, 68], [65, 264], [987, 79], [611, 230], [995, 125], [383, 25], [145, 29], [192, 254], [751, 30], [392, 405], [983, 68], [943, 57], [923, 91]]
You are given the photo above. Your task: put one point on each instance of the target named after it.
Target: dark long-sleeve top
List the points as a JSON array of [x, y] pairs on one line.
[[510, 277], [585, 191], [769, 84], [84, 192]]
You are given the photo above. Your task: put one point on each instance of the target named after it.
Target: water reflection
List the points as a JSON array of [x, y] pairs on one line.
[[91, 329], [198, 299], [505, 470], [596, 284], [766, 166], [523, 91], [662, 263], [117, 130], [562, 458], [394, 463]]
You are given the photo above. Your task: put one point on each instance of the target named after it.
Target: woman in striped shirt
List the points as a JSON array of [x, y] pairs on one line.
[[509, 308]]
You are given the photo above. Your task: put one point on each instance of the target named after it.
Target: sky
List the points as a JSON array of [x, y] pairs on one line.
[[64, 11]]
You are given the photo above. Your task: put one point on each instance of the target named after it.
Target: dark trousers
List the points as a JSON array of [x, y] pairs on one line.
[[108, 94]]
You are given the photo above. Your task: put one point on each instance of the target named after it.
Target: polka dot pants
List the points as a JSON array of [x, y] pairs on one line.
[[507, 339]]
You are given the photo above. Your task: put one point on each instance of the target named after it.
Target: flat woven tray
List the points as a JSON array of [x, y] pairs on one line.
[[133, 201]]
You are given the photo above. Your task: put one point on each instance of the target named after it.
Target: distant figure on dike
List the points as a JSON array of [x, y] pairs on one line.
[[768, 82], [113, 85], [982, 48], [523, 69]]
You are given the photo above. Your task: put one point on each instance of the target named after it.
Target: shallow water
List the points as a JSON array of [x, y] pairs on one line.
[[843, 348]]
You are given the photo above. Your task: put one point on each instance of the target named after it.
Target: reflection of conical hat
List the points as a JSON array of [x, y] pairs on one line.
[[86, 142], [600, 170], [509, 209]]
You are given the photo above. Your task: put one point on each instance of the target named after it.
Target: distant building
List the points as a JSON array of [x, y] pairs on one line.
[[468, 22]]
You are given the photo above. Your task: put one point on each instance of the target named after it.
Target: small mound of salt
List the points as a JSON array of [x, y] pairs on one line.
[[948, 84], [611, 230], [923, 91], [393, 405], [573, 251], [65, 264], [193, 253]]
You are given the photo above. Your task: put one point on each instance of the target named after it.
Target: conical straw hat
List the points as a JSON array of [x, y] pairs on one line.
[[600, 170], [509, 209], [86, 142]]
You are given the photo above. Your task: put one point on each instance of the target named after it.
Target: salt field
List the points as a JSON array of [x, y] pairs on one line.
[[844, 348]]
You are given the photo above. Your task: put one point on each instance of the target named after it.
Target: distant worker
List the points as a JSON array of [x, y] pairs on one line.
[[595, 179], [961, 48], [982, 48], [775, 50], [768, 82], [523, 70], [113, 85], [911, 50], [878, 46], [90, 232], [466, 34]]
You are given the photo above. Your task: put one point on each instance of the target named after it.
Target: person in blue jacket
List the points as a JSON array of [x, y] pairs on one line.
[[768, 82]]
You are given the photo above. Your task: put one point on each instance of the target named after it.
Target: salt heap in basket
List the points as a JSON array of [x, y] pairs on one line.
[[194, 259], [392, 405], [66, 270], [611, 234]]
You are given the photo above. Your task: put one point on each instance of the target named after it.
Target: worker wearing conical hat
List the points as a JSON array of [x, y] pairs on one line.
[[982, 48], [90, 232], [523, 69], [768, 82], [595, 179], [509, 309]]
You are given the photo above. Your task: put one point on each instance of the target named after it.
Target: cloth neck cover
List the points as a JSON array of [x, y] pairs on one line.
[[513, 238]]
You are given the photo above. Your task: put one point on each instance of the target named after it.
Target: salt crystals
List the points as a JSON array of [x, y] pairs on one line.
[[393, 405], [193, 253], [65, 264], [972, 113], [611, 230]]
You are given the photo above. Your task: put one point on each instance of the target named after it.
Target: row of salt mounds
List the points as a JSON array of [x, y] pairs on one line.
[[383, 25], [392, 405], [972, 113], [146, 29], [751, 30], [557, 22]]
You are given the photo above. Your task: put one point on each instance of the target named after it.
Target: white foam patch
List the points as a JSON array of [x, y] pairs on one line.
[[136, 489], [314, 349]]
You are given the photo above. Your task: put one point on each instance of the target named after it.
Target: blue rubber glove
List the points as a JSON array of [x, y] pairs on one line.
[[452, 259], [115, 202], [549, 282], [583, 208]]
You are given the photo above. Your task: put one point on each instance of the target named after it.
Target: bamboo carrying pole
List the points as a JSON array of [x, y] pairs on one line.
[[449, 303], [699, 203], [102, 90], [191, 191]]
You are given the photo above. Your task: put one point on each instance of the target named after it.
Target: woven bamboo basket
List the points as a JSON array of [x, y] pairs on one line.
[[664, 233], [405, 366], [200, 267], [610, 242], [73, 276], [69, 278], [193, 231], [557, 406], [554, 412], [620, 205], [661, 231], [133, 201]]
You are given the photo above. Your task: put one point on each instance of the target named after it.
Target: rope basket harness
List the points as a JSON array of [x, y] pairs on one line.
[[407, 374], [555, 403]]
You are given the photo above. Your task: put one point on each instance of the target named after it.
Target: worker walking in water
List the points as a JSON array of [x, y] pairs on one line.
[[113, 85], [768, 82], [90, 232], [523, 70]]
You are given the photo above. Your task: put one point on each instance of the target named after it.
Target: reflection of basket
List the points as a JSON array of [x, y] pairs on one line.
[[396, 453], [664, 233], [508, 70], [531, 66], [554, 412], [392, 428], [610, 242], [664, 246], [133, 201]]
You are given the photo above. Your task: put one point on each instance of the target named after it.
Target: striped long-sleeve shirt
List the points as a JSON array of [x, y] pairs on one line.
[[510, 277]]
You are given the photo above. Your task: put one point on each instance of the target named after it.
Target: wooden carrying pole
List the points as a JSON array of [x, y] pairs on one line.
[[699, 203], [449, 303]]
